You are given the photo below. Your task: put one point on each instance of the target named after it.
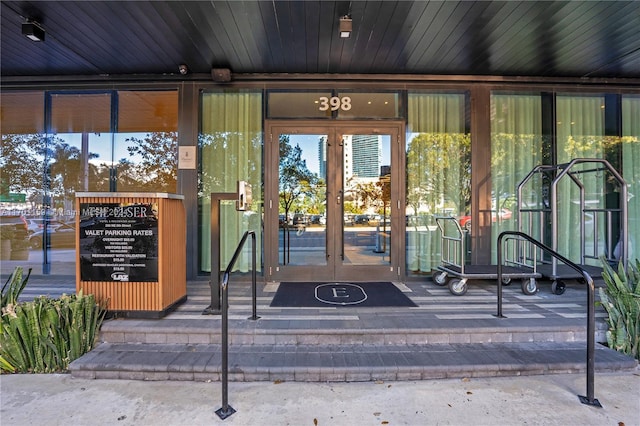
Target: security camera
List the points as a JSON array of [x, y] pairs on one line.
[[183, 69]]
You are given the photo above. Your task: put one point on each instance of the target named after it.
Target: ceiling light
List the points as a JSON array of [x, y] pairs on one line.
[[221, 74], [346, 26], [33, 31]]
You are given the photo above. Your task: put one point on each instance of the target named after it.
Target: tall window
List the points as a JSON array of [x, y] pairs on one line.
[[438, 173], [21, 178], [145, 148], [55, 144], [231, 149], [516, 147], [580, 129], [22, 155], [80, 134], [631, 167]]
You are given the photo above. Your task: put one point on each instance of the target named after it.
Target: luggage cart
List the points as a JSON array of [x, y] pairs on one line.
[[455, 273], [538, 211]]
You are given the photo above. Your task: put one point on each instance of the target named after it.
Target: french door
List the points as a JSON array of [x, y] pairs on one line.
[[333, 202]]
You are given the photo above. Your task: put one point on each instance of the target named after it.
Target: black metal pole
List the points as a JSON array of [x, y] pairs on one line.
[[253, 277], [499, 258], [591, 361], [226, 410], [591, 320], [214, 280]]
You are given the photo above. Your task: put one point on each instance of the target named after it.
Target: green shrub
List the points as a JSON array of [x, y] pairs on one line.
[[45, 335], [621, 299]]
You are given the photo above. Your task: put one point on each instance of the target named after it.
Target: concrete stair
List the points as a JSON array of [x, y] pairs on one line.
[[445, 337]]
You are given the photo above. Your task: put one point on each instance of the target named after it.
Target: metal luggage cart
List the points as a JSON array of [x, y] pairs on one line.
[[538, 210], [455, 273]]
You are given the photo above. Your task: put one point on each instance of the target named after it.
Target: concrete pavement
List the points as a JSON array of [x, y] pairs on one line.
[[532, 400]]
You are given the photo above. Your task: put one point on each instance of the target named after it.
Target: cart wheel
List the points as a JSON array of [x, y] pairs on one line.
[[440, 278], [458, 287], [529, 286], [558, 287], [506, 280]]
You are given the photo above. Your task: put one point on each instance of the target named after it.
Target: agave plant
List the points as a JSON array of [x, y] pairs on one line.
[[45, 335], [13, 287], [621, 299]]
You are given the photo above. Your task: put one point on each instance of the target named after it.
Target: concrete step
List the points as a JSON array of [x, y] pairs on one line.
[[444, 336], [341, 363], [327, 332]]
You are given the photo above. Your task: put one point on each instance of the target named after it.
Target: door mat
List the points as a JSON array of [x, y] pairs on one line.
[[332, 294]]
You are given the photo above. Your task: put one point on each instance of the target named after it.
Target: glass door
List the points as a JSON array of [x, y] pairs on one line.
[[332, 210]]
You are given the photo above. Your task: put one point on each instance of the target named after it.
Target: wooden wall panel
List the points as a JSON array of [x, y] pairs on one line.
[[171, 286]]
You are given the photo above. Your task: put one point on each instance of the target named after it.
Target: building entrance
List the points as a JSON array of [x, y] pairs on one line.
[[333, 203]]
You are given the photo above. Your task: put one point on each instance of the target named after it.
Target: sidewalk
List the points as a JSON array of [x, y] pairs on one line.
[[532, 400]]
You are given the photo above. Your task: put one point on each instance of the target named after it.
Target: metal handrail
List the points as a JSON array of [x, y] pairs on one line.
[[226, 410], [589, 399]]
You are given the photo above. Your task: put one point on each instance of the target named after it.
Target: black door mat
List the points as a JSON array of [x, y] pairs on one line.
[[334, 294]]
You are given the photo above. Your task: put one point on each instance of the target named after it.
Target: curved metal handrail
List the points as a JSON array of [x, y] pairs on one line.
[[589, 399]]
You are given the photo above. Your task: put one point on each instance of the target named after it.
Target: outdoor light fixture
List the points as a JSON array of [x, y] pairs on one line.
[[184, 70], [221, 74], [345, 26], [33, 31]]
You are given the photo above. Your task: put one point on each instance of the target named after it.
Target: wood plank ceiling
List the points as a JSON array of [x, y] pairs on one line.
[[501, 38]]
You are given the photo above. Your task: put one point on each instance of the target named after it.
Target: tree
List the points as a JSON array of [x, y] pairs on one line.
[[439, 165], [21, 162], [295, 179], [157, 170]]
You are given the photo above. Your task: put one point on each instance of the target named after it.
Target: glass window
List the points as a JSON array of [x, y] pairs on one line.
[[631, 166], [43, 168], [438, 159], [580, 130], [21, 179], [231, 149], [352, 105], [516, 148], [145, 150], [328, 104], [297, 104], [80, 138]]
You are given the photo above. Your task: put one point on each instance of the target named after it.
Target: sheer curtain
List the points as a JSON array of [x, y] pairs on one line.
[[631, 166], [438, 173], [580, 134], [231, 147], [516, 148]]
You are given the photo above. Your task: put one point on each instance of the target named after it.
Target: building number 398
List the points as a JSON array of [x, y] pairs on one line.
[[335, 103]]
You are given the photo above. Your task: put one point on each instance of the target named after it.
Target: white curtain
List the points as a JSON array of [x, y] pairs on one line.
[[631, 167], [438, 173], [516, 148], [580, 134], [231, 149]]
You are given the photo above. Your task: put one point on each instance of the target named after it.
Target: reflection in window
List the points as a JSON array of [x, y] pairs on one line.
[[21, 177], [516, 148], [580, 124], [631, 167], [230, 143], [43, 168], [145, 149], [79, 122], [22, 155], [438, 173]]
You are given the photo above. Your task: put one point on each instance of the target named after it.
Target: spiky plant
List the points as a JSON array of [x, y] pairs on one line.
[[45, 335], [621, 299]]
